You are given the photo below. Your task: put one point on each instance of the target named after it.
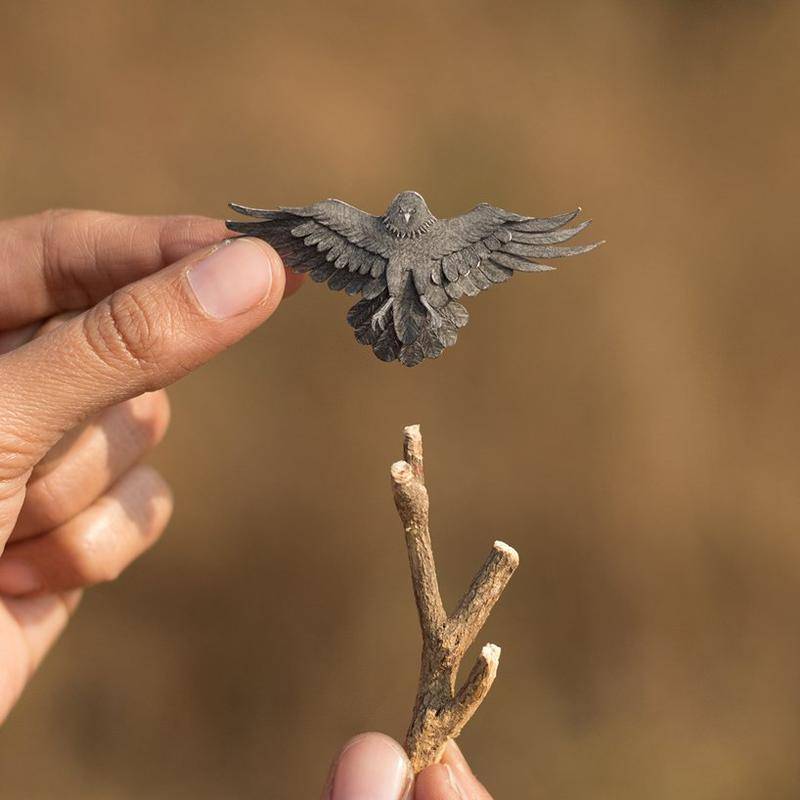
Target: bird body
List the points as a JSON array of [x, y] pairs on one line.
[[409, 267]]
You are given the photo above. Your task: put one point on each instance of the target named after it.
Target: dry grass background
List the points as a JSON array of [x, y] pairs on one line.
[[636, 411]]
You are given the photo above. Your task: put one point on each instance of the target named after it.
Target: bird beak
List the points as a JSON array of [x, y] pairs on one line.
[[406, 215]]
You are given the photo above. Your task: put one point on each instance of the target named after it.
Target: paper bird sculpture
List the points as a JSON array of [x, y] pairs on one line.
[[409, 267]]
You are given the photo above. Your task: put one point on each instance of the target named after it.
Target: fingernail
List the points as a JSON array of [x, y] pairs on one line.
[[234, 278], [371, 767], [455, 782], [454, 758], [17, 578]]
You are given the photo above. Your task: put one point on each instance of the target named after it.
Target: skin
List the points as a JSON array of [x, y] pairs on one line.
[[98, 313], [374, 766], [96, 317]]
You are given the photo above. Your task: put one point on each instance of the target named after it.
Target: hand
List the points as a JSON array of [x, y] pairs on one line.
[[98, 312], [375, 766]]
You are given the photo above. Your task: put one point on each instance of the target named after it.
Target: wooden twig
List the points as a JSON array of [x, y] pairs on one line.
[[440, 712]]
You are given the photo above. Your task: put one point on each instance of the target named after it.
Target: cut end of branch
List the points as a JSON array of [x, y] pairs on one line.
[[480, 680], [511, 555], [490, 653]]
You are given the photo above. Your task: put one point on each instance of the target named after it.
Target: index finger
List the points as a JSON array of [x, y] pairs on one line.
[[69, 260]]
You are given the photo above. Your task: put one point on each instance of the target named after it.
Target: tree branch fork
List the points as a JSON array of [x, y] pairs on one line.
[[441, 711]]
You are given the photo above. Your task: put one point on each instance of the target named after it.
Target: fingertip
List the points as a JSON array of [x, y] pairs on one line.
[[150, 415], [437, 782], [278, 272], [453, 756], [462, 773], [147, 483], [240, 276], [370, 765], [292, 281]]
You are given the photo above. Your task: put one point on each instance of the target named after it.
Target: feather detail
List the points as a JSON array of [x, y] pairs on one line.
[[547, 250], [540, 224], [494, 272], [438, 260], [554, 237], [518, 264], [468, 285], [408, 312], [378, 267], [450, 268], [339, 280]]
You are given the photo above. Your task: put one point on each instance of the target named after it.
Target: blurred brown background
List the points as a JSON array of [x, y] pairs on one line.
[[629, 423]]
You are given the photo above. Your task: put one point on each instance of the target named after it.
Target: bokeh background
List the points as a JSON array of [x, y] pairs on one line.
[[629, 422]]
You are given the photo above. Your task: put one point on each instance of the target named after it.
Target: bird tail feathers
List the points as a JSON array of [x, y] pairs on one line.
[[408, 313], [431, 335]]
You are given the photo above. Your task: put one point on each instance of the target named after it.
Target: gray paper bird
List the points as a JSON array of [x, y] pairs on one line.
[[409, 267]]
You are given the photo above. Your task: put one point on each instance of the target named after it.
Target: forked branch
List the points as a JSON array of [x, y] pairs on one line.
[[440, 712]]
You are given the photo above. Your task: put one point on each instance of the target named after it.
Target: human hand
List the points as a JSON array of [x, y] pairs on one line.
[[98, 312], [374, 766]]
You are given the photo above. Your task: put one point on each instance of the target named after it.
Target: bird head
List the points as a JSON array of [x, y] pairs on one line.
[[408, 215]]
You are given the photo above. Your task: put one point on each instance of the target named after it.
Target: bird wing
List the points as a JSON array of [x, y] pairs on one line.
[[487, 245], [331, 240]]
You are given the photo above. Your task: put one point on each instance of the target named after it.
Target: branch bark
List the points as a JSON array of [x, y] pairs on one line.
[[440, 712]]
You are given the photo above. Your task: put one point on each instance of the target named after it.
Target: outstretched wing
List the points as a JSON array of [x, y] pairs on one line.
[[331, 240], [487, 245]]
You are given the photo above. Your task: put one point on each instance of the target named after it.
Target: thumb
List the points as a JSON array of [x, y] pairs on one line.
[[370, 765], [142, 337]]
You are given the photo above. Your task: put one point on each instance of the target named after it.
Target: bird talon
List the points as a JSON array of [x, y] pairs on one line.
[[378, 321]]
